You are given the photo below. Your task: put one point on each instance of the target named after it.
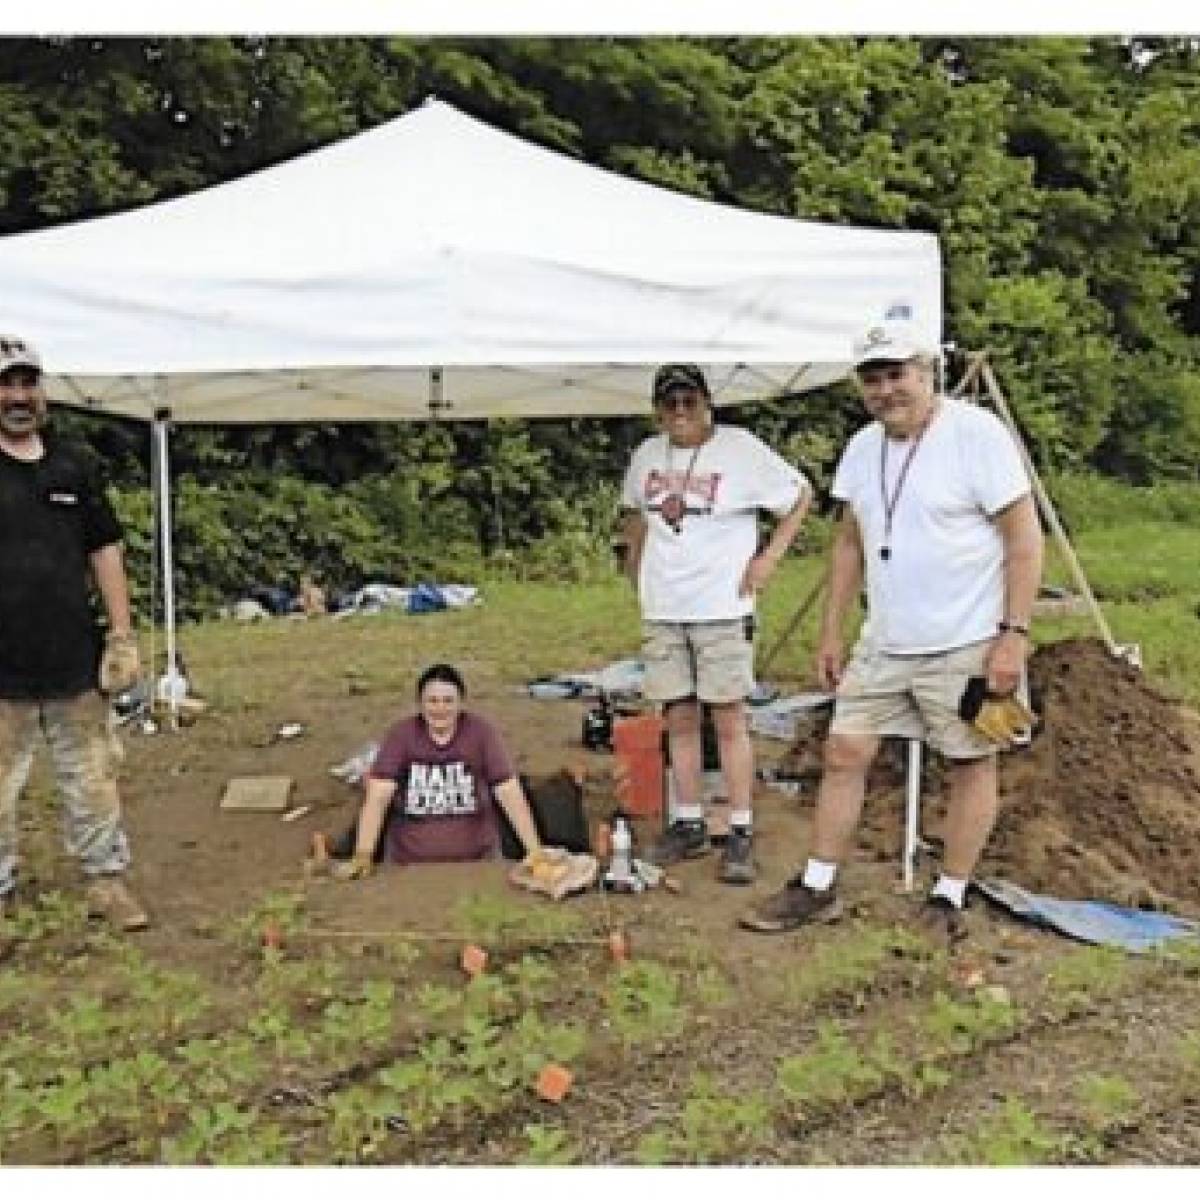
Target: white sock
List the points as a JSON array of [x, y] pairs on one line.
[[689, 812], [742, 818], [955, 890], [819, 875]]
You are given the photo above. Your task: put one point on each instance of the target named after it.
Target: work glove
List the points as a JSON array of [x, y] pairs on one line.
[[358, 867], [1000, 719], [554, 872], [120, 666]]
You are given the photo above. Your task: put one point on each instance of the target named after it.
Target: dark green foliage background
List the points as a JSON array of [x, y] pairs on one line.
[[1062, 176]]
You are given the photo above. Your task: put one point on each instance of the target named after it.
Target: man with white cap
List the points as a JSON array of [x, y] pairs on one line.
[[57, 528], [938, 519]]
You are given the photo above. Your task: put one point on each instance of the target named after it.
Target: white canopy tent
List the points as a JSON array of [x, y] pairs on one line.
[[326, 288], [436, 267]]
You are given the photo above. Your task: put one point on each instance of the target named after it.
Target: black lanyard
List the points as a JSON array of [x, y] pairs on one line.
[[890, 502], [673, 507]]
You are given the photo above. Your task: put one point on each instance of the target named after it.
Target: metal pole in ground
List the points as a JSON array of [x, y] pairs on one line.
[[912, 812]]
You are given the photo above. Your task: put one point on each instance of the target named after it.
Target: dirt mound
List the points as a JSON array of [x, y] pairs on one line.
[[1105, 803]]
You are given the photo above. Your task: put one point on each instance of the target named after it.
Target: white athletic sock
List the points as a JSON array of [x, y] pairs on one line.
[[955, 890], [819, 875], [742, 818], [689, 812]]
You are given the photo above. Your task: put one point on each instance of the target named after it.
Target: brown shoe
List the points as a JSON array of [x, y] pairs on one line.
[[108, 897], [940, 918], [8, 939], [793, 905]]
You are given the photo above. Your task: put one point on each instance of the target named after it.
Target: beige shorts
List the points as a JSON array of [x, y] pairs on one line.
[[913, 696], [711, 661]]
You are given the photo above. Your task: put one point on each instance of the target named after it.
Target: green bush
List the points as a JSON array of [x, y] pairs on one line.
[[1100, 502]]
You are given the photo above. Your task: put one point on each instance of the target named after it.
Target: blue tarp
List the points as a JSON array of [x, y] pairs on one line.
[[1094, 921]]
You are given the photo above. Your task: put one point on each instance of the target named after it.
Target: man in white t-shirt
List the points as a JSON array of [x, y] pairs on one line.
[[938, 517], [692, 495]]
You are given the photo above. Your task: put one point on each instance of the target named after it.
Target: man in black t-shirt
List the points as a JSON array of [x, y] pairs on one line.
[[57, 529]]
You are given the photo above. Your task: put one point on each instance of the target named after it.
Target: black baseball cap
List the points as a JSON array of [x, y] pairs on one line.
[[678, 375]]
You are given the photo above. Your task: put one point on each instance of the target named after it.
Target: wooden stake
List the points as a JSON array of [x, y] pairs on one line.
[[792, 625], [1047, 509]]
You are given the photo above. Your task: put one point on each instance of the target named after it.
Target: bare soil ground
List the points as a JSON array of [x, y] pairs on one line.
[[1104, 804]]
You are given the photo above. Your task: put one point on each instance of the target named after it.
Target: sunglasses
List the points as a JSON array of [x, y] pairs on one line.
[[889, 374], [685, 401], [20, 377]]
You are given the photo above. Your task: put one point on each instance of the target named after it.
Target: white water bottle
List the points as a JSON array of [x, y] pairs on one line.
[[622, 849]]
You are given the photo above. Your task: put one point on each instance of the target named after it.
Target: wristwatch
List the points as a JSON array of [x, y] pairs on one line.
[[1013, 627]]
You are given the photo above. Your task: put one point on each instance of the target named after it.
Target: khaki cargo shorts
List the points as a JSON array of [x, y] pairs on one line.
[[913, 696], [712, 661]]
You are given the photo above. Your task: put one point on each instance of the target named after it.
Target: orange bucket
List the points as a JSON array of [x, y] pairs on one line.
[[637, 745]]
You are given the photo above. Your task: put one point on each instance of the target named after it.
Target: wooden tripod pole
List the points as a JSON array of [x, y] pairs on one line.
[[1046, 507], [793, 624]]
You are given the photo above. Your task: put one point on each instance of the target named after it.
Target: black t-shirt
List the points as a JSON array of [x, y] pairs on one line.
[[53, 515]]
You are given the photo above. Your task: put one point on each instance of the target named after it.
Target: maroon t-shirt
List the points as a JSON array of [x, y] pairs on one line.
[[443, 810]]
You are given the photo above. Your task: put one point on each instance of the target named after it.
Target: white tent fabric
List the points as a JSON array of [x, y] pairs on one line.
[[436, 266]]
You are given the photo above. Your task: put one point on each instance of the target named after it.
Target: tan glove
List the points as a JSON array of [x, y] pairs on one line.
[[554, 872], [358, 867], [120, 666], [1000, 719]]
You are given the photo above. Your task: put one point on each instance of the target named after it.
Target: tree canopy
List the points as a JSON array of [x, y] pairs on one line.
[[1062, 176]]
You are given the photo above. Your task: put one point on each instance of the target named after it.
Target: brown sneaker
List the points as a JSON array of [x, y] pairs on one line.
[[793, 905], [108, 897], [940, 918]]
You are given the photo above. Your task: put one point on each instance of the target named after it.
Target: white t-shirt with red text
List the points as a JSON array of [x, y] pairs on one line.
[[941, 585], [691, 566]]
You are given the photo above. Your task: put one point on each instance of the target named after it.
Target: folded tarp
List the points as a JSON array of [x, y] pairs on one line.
[[422, 598], [621, 678], [1094, 921], [781, 718]]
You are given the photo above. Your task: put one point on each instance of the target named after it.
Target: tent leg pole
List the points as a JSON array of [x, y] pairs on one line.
[[1047, 510], [169, 684], [912, 812]]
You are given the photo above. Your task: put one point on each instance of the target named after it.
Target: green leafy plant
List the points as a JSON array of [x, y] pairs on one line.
[[1106, 1100], [716, 1126], [960, 1026], [832, 1072], [546, 1147], [1087, 975], [283, 909], [491, 919], [1012, 1137], [643, 1002], [847, 965]]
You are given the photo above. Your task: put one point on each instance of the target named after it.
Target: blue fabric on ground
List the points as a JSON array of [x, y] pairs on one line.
[[276, 600], [425, 598], [1094, 921]]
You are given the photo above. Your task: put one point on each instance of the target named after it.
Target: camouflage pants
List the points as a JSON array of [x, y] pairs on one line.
[[85, 756]]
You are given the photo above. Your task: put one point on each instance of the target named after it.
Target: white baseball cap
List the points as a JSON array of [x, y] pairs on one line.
[[893, 340], [14, 352]]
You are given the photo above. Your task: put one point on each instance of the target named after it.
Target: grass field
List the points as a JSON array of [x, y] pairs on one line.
[[355, 1037]]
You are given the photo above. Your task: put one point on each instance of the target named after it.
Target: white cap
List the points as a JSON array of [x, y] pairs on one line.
[[16, 353], [890, 341]]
